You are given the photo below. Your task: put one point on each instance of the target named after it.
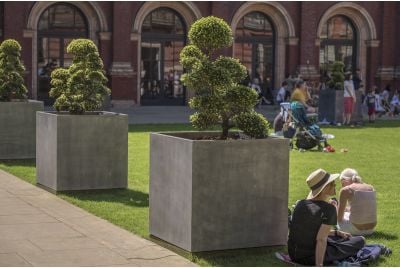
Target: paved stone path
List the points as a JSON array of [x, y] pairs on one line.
[[175, 114], [39, 229], [180, 114], [171, 114]]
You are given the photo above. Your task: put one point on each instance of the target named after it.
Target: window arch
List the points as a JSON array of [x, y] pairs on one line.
[[58, 25], [255, 48], [338, 43], [163, 37]]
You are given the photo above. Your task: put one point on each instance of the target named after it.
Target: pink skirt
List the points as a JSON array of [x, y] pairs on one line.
[[348, 105]]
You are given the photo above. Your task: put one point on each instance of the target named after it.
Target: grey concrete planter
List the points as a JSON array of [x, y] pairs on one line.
[[82, 152], [213, 195], [18, 129], [331, 106]]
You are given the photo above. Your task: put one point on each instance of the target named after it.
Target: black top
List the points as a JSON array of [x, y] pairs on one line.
[[357, 82], [371, 100], [307, 217]]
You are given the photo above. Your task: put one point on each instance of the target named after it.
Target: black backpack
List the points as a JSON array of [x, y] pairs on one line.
[[366, 255]]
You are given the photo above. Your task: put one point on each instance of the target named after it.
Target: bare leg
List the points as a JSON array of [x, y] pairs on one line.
[[348, 119]]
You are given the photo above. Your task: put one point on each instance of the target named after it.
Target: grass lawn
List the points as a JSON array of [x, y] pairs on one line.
[[373, 150]]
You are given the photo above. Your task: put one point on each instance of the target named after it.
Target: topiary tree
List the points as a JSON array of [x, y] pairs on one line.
[[11, 71], [337, 76], [219, 99], [82, 86]]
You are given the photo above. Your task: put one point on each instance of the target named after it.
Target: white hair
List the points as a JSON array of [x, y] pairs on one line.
[[350, 174]]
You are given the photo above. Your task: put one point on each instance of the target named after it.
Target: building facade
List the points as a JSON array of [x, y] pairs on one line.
[[140, 42]]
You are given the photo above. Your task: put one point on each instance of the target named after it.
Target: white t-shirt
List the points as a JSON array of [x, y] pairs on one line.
[[395, 100], [378, 101], [281, 94], [349, 89], [385, 95]]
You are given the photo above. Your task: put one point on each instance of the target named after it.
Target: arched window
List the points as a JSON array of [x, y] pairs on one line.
[[254, 47], [58, 25], [338, 43], [163, 37]]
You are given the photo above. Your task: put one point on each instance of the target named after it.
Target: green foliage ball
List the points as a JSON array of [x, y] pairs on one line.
[[82, 86], [253, 124], [210, 33], [11, 71], [219, 98], [337, 75]]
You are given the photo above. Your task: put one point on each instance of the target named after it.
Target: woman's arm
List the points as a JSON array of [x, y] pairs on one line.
[[344, 196], [320, 249]]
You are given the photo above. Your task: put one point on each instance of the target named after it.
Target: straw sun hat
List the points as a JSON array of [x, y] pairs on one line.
[[318, 180]]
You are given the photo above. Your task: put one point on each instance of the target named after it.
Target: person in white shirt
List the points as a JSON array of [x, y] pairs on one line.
[[395, 103], [349, 98], [281, 96]]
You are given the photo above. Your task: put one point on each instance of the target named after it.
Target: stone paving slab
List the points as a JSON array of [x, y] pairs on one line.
[[75, 257], [24, 219], [18, 209], [35, 230], [39, 229], [13, 246], [66, 243], [13, 259]]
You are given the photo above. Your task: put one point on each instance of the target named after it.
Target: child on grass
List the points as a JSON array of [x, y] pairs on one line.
[[370, 100]]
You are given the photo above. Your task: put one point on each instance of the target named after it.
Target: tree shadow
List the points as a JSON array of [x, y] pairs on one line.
[[366, 125], [382, 235], [250, 257], [167, 127], [159, 127], [127, 197], [19, 162]]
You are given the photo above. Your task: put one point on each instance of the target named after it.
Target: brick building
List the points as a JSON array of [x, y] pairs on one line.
[[140, 42]]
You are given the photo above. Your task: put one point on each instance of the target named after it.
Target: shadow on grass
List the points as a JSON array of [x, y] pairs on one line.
[[251, 257], [377, 124], [19, 162], [127, 197], [382, 235], [159, 127], [166, 127]]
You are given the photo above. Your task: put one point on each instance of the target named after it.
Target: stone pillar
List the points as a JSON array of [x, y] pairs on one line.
[[292, 56], [14, 25], [386, 70], [372, 62], [27, 57], [309, 60], [123, 87]]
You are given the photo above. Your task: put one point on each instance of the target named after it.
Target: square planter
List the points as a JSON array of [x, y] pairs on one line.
[[82, 152], [214, 195], [18, 129], [330, 106]]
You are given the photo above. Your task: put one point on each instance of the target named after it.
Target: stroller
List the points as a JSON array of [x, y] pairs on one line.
[[294, 124]]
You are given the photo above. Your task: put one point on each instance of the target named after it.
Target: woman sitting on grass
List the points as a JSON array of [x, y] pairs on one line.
[[312, 238], [357, 204]]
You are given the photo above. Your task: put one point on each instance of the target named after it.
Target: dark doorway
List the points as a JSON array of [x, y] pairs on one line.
[[58, 26], [254, 47], [163, 37]]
